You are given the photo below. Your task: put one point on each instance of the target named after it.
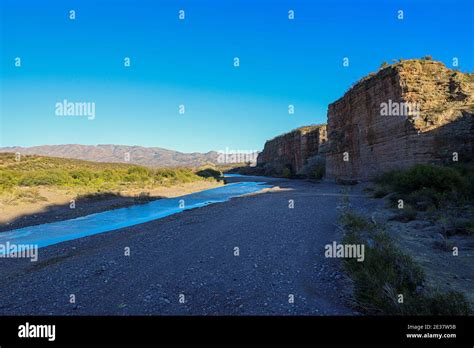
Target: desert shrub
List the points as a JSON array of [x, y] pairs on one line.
[[387, 272], [34, 171], [22, 195], [138, 174], [8, 179], [384, 273], [187, 175], [169, 176], [140, 171], [425, 185], [466, 170], [143, 197], [248, 170], [440, 179], [315, 168], [380, 191], [434, 302], [97, 196], [209, 173], [269, 170], [354, 222], [464, 226], [111, 176], [133, 178], [427, 197], [82, 176], [31, 195], [45, 177], [165, 173], [408, 213], [286, 173]]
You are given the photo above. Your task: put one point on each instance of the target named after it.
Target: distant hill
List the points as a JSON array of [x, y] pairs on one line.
[[147, 156]]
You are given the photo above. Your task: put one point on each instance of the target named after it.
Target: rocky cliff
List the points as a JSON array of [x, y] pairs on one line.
[[287, 153], [414, 111]]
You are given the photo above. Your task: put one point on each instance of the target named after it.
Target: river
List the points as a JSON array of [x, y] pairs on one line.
[[61, 231]]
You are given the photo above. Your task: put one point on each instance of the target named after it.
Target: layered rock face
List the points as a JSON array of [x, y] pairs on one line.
[[289, 152], [415, 111]]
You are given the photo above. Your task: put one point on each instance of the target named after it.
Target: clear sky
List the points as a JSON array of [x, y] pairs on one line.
[[190, 62]]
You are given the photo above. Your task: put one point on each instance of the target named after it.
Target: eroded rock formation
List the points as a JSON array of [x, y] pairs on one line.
[[414, 111], [286, 154]]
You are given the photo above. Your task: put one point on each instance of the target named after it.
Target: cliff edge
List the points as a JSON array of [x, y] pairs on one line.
[[414, 111]]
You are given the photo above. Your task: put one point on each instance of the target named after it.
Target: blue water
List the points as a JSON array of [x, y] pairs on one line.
[[61, 231], [226, 175]]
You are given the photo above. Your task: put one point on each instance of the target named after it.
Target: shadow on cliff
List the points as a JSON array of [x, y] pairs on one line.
[[455, 137], [441, 145]]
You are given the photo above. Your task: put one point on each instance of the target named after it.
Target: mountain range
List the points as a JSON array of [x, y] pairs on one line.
[[147, 156]]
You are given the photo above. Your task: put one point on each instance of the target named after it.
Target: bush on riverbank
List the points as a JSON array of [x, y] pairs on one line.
[[209, 173]]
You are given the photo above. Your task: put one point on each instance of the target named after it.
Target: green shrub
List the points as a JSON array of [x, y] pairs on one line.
[[248, 170], [450, 303], [354, 222], [425, 186], [315, 168], [34, 171], [387, 272], [426, 197], [408, 213], [384, 274], [111, 176], [165, 174], [466, 170], [139, 171], [420, 176], [30, 195], [464, 226], [82, 176], [286, 173], [209, 173], [43, 177], [380, 191], [7, 179], [27, 195]]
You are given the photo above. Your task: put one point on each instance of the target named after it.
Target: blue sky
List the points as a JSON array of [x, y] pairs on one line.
[[190, 62]]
